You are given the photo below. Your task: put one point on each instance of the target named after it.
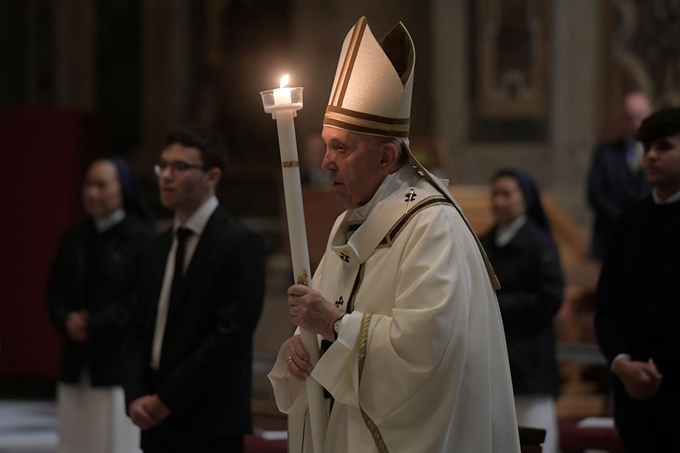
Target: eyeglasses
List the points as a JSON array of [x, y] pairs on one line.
[[175, 167]]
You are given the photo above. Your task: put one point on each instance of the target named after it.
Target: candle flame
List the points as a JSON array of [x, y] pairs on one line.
[[284, 81]]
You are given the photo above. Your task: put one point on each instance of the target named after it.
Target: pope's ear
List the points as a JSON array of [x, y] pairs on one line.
[[389, 161]]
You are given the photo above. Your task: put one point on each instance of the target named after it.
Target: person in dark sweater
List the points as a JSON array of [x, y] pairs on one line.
[[523, 253], [637, 318], [93, 280]]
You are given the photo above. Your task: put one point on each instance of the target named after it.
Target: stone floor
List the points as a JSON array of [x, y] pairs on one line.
[[28, 426], [31, 427]]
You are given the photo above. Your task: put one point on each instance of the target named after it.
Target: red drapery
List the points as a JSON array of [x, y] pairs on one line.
[[44, 155]]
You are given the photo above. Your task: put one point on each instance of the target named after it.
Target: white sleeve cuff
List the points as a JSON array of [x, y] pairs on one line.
[[620, 356], [349, 329]]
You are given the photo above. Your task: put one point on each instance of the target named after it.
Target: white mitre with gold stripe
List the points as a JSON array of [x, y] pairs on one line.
[[372, 94], [373, 83]]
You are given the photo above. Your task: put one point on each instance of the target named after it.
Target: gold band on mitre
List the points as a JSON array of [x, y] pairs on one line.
[[365, 123]]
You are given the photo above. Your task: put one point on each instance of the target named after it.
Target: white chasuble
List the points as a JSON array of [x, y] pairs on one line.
[[420, 364]]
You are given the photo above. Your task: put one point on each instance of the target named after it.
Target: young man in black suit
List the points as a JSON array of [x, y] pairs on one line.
[[188, 376], [638, 299]]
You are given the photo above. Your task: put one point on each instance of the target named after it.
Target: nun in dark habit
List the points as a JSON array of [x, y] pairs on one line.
[[524, 255], [93, 280]]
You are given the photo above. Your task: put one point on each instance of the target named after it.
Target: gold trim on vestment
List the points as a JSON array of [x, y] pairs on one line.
[[352, 227], [493, 278], [363, 346], [304, 426], [399, 226], [355, 288], [363, 342]]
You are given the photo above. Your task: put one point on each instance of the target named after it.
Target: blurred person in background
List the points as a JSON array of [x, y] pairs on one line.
[[189, 357], [637, 316], [523, 253], [616, 180], [92, 282]]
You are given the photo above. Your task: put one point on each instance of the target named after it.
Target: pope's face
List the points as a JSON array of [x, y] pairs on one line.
[[353, 165]]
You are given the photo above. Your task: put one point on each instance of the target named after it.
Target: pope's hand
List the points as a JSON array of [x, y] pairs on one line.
[[312, 312], [298, 360]]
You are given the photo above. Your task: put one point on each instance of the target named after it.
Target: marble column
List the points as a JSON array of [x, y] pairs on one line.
[[450, 73], [166, 77], [575, 99]]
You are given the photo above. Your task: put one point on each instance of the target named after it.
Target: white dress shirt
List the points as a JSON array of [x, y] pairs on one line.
[[196, 224]]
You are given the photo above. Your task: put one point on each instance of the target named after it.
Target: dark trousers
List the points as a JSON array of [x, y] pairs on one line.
[[182, 436], [174, 444], [647, 426]]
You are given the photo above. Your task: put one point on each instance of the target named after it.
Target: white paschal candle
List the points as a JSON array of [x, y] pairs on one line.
[[292, 190], [300, 256], [284, 111]]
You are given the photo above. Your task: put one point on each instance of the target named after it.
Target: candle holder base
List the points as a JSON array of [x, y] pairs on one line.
[[273, 105]]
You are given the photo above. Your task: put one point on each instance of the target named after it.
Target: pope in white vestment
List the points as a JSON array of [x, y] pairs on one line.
[[419, 363]]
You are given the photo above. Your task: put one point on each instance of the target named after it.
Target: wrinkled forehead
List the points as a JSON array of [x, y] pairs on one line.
[[330, 133]]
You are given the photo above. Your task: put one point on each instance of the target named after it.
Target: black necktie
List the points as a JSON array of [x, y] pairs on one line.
[[182, 236]]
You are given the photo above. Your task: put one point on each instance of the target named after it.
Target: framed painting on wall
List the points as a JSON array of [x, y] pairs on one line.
[[509, 61]]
